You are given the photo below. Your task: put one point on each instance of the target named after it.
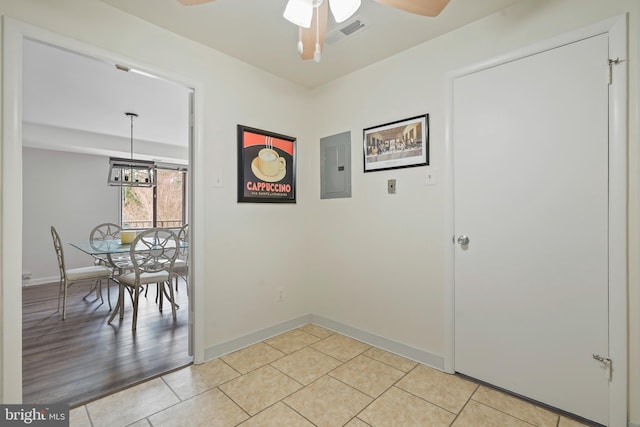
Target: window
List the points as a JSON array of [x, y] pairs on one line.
[[159, 206]]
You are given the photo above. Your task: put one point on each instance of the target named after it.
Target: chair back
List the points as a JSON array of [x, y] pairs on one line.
[[154, 250], [183, 236], [106, 231], [57, 245]]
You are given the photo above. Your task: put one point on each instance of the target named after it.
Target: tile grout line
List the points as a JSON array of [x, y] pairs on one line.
[[501, 411], [86, 410], [180, 400], [422, 398], [530, 404], [235, 403], [389, 388], [465, 404]]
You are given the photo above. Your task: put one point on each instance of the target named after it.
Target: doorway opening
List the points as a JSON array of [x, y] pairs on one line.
[[67, 138]]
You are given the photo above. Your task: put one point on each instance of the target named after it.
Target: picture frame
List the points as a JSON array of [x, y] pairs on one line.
[[399, 144], [266, 166]]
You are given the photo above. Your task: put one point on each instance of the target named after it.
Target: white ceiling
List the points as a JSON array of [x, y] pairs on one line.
[[75, 103], [255, 32], [69, 90]]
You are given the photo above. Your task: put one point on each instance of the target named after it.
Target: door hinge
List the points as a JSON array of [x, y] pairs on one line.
[[612, 62], [606, 362]]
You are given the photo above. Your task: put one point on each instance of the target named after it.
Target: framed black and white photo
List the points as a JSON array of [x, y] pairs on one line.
[[399, 144]]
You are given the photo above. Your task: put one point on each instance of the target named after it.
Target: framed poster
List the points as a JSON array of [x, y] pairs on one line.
[[399, 144], [266, 166]]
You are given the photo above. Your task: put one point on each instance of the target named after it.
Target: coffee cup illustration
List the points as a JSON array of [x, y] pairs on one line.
[[270, 163]]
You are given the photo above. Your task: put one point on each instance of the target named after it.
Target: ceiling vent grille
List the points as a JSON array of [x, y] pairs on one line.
[[347, 30]]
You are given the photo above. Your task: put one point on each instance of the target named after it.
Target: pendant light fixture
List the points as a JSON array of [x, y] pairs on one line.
[[130, 172]]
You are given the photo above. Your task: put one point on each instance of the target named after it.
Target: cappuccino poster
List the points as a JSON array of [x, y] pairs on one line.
[[266, 166]]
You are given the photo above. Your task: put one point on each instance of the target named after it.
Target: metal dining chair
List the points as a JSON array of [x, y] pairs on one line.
[[105, 231], [153, 253], [68, 277], [181, 266], [102, 232], [111, 231]]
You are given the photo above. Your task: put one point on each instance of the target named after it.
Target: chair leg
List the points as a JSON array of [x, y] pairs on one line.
[[173, 300], [64, 300], [136, 298], [59, 295], [119, 305], [98, 289], [91, 290], [109, 293]]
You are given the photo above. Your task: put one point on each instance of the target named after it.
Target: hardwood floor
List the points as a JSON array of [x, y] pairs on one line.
[[82, 358]]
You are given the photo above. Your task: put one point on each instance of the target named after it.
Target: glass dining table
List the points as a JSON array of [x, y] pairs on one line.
[[115, 254], [101, 248], [98, 248]]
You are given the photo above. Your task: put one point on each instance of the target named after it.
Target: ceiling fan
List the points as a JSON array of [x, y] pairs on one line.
[[311, 17]]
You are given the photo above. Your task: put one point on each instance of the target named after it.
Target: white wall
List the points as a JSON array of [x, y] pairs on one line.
[[240, 274], [378, 258], [374, 261], [67, 191]]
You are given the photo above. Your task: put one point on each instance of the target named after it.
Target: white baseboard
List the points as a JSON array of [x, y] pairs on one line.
[[421, 356], [408, 352], [253, 338], [41, 281]]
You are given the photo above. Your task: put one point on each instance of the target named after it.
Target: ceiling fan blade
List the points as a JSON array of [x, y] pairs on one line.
[[193, 2], [419, 7], [309, 34]]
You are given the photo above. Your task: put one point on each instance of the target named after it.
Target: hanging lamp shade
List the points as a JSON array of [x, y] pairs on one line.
[[125, 172], [131, 173]]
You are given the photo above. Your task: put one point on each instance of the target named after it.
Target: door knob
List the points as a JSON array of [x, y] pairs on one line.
[[463, 240]]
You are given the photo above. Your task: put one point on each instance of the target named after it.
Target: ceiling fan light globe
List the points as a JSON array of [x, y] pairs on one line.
[[343, 9], [299, 12]]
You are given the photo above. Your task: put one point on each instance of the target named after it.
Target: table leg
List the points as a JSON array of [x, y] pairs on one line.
[[119, 305]]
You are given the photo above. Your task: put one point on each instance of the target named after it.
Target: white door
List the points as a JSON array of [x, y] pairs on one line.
[[530, 142]]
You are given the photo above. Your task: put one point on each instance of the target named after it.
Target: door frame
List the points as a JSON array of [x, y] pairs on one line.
[[14, 32], [616, 28]]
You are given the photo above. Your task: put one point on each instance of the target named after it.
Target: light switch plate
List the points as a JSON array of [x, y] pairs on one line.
[[391, 186]]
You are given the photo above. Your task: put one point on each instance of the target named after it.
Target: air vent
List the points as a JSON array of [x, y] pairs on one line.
[[345, 31], [352, 28]]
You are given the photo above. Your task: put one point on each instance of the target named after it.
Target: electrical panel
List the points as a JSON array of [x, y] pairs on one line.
[[335, 166]]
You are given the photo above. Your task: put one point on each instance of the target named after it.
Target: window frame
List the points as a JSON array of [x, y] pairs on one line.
[[154, 217]]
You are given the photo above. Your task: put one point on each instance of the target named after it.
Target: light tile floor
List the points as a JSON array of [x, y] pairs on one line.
[[312, 376]]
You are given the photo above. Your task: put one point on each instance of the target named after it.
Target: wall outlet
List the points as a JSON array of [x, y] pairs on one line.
[[280, 294]]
